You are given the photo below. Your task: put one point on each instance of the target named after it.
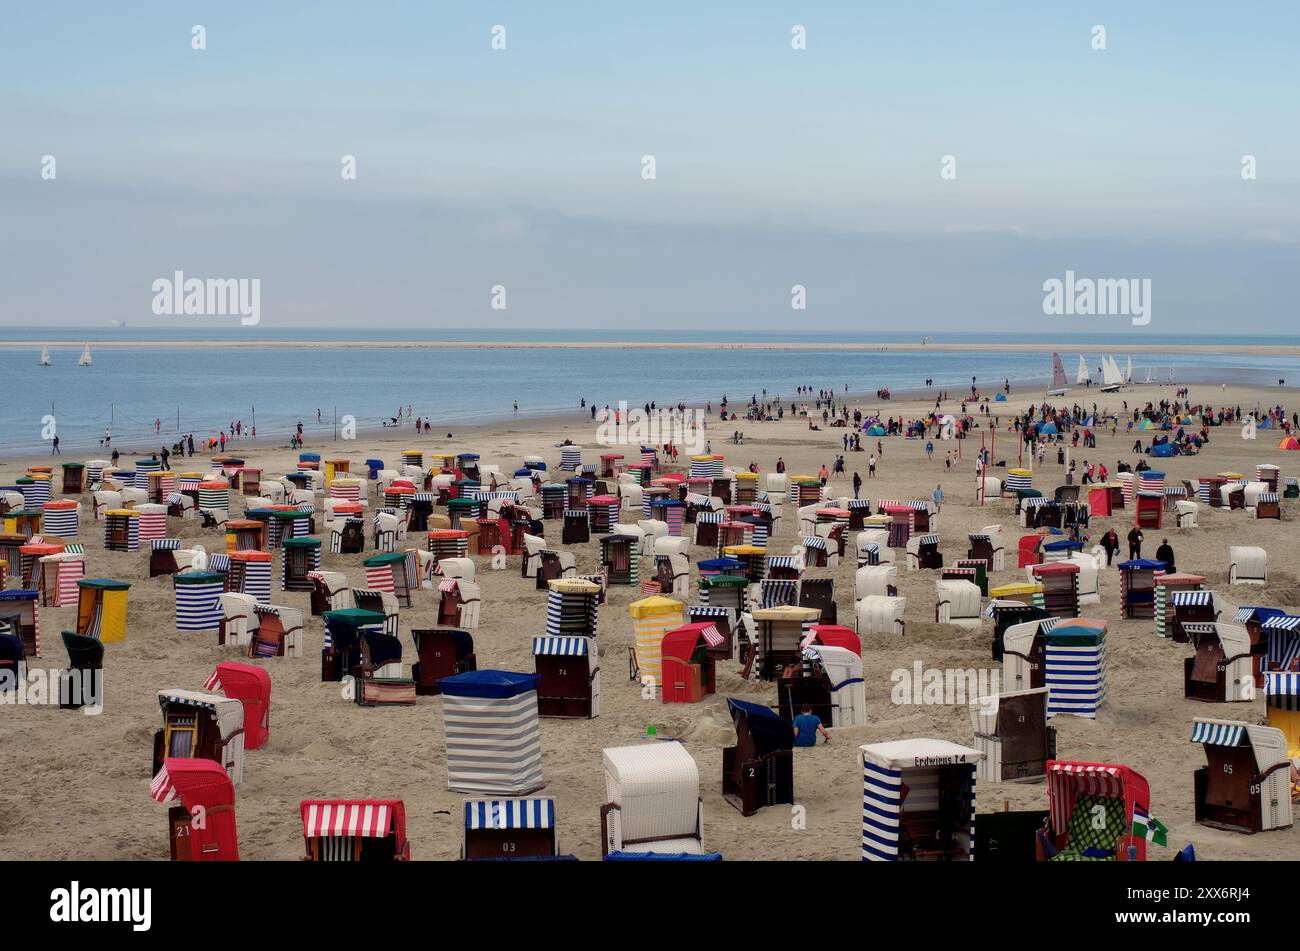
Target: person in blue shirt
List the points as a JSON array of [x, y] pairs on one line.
[[806, 728]]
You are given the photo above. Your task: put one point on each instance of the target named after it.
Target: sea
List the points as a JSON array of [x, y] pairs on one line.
[[203, 390]]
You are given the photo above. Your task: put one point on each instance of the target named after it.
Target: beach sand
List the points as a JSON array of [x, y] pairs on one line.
[[77, 786]]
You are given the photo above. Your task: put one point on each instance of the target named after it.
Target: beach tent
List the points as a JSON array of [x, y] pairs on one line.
[[918, 800], [568, 676], [829, 679], [688, 664], [202, 827], [653, 804], [988, 544], [1186, 514], [57, 575], [1091, 807], [779, 633], [1166, 586], [1221, 670], [355, 830], [21, 609], [82, 682], [1246, 784], [620, 555], [1289, 443], [1011, 731], [923, 552], [298, 559], [1282, 700], [652, 618], [1006, 613], [957, 602], [1137, 587], [1247, 564], [1090, 567], [197, 596], [759, 770], [250, 573], [509, 829], [492, 736], [1066, 656], [442, 652], [459, 603], [278, 632], [203, 726], [876, 614], [1060, 581], [341, 654], [251, 686], [572, 608], [101, 608], [379, 679], [879, 580]]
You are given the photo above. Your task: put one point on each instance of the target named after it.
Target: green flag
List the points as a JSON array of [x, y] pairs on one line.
[[1147, 826]]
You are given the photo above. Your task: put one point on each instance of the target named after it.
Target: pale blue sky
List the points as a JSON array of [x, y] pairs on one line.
[[775, 167]]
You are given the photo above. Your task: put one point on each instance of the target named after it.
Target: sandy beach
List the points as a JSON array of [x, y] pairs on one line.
[[79, 784]]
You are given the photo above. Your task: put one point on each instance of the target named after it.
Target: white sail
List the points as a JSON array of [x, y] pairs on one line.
[[45, 356], [1148, 379], [85, 357], [1082, 376], [1128, 371], [1110, 375]]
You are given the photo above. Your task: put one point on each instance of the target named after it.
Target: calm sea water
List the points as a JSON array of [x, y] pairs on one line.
[[204, 390]]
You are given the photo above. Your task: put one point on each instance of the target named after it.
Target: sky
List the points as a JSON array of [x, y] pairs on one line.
[[523, 167]]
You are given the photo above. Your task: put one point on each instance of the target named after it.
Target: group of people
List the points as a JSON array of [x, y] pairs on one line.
[[1110, 543]]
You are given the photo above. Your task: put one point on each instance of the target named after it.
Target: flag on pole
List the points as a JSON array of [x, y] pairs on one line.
[[1147, 826]]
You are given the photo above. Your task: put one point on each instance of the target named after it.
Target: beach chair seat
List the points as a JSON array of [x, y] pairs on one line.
[[238, 619], [1096, 826]]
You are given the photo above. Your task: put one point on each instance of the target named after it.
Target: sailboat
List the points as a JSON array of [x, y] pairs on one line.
[[1148, 379], [85, 357], [45, 356], [1082, 377], [1058, 377], [1128, 372], [1111, 379]]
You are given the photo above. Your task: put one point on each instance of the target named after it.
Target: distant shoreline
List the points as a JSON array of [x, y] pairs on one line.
[[1238, 349]]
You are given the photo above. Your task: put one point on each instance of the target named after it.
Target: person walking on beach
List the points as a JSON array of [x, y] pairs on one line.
[[929, 451], [165, 456], [871, 466], [780, 464], [1165, 553], [823, 474], [1135, 543], [189, 444], [223, 440], [108, 438], [1110, 544], [55, 442], [857, 484], [937, 496]]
